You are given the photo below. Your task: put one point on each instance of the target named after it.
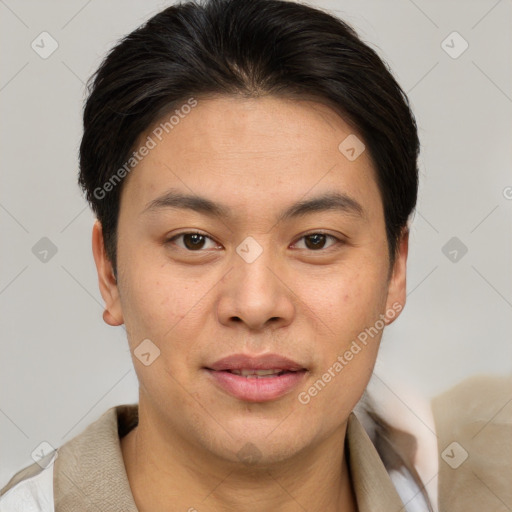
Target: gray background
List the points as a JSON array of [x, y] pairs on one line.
[[61, 367]]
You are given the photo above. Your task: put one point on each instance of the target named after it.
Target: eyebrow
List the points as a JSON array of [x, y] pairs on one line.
[[333, 201]]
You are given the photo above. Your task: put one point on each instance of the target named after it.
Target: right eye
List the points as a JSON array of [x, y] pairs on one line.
[[193, 241]]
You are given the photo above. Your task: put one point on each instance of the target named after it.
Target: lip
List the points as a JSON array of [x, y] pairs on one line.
[[256, 389], [253, 362]]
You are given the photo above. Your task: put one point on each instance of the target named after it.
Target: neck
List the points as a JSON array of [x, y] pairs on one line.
[[166, 471]]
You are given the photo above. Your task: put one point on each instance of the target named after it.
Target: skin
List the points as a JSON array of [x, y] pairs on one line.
[[256, 156]]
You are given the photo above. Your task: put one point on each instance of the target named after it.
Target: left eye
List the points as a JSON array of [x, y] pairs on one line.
[[196, 241], [316, 241], [192, 241]]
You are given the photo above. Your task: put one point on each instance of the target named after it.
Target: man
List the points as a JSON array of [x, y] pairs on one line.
[[252, 166]]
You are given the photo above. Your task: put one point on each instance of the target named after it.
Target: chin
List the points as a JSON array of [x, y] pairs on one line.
[[259, 445]]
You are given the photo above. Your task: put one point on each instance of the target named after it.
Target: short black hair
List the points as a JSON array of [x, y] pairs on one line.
[[249, 48]]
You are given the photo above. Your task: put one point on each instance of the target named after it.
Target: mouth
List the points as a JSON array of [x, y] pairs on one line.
[[256, 378], [250, 373]]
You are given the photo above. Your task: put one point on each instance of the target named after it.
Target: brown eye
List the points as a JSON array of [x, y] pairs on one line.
[[317, 241], [191, 241]]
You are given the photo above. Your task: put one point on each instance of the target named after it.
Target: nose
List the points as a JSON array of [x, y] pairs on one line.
[[256, 292]]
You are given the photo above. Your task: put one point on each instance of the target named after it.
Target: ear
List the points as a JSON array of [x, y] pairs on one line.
[[113, 314], [397, 284]]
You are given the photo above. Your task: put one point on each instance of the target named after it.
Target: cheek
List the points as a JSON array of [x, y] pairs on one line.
[[346, 350], [153, 302], [347, 341], [166, 312], [345, 301]]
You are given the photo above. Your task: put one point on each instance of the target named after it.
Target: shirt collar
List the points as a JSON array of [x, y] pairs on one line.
[[89, 472]]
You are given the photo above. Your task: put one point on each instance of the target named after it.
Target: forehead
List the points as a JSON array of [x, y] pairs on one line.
[[251, 150]]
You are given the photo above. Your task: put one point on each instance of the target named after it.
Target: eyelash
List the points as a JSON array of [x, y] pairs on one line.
[[337, 241]]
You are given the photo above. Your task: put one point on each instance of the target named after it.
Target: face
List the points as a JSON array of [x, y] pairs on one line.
[[282, 265]]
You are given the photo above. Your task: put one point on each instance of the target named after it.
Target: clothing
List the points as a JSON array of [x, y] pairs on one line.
[[473, 428], [89, 473]]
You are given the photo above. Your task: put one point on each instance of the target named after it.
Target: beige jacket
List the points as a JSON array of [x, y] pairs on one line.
[[89, 473], [474, 437]]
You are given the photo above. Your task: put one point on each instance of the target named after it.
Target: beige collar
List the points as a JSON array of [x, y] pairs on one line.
[[90, 476]]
